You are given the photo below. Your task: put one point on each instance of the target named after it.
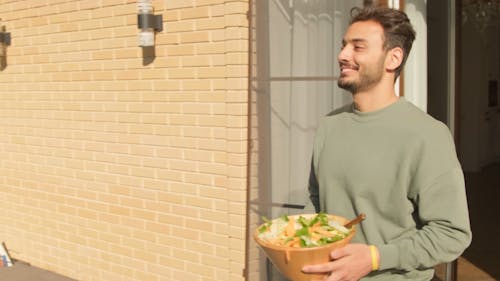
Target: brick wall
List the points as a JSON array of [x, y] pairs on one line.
[[115, 166]]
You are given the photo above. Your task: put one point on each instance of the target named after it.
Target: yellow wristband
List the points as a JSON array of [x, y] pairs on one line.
[[373, 253]]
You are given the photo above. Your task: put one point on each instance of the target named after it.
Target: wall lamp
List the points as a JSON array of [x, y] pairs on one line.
[[148, 23], [4, 42]]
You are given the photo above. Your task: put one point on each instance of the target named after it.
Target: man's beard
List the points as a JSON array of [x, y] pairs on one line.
[[367, 78]]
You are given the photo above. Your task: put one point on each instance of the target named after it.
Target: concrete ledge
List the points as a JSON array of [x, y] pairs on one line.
[[22, 271]]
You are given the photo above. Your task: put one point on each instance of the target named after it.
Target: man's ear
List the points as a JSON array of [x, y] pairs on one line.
[[394, 59]]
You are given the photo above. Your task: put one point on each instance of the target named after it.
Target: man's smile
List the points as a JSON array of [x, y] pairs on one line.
[[347, 68]]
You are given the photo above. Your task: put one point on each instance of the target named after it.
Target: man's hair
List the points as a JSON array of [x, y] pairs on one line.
[[398, 31]]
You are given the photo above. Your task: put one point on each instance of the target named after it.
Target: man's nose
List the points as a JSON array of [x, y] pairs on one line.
[[343, 54]]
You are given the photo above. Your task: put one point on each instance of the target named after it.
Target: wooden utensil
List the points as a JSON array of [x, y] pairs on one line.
[[357, 220]]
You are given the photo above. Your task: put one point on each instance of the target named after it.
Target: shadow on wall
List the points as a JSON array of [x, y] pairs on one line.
[[4, 42], [148, 55], [3, 58]]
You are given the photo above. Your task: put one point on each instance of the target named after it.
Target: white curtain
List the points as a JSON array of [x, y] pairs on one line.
[[415, 80], [304, 40], [294, 47]]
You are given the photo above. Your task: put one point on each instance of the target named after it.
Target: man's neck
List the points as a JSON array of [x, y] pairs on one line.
[[374, 99]]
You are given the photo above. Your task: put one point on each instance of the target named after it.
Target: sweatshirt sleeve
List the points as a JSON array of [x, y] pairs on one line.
[[439, 196], [445, 233]]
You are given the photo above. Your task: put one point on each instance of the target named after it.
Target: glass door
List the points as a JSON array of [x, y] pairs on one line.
[[293, 46]]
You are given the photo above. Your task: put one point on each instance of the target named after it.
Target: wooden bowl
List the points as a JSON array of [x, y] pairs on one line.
[[289, 261]]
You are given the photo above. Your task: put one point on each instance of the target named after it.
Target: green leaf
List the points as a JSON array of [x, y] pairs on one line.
[[263, 228], [303, 221], [304, 231]]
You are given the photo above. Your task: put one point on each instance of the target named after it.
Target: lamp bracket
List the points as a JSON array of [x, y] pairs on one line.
[[150, 21]]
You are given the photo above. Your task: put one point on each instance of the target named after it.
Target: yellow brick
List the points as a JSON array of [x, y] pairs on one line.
[[162, 271], [78, 15], [177, 73], [218, 10], [90, 24], [194, 37], [201, 84], [213, 72], [120, 9], [140, 213], [112, 22], [67, 7], [141, 275], [180, 26], [236, 20], [176, 4], [234, 7], [154, 185], [133, 243], [235, 32], [144, 193], [144, 235], [132, 223], [68, 27], [88, 214], [119, 210], [212, 192], [170, 15], [190, 61], [126, 53], [210, 23], [157, 227], [146, 256], [125, 31], [199, 202], [214, 122], [98, 34], [219, 60], [193, 13], [119, 189], [119, 269], [152, 74], [217, 35], [140, 85], [102, 55], [209, 2], [172, 262], [213, 239], [180, 50], [155, 163], [199, 179], [165, 38], [101, 12]]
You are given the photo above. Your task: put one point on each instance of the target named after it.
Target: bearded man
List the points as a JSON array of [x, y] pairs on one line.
[[384, 157]]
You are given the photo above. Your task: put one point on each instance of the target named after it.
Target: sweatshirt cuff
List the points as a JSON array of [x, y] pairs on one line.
[[389, 256]]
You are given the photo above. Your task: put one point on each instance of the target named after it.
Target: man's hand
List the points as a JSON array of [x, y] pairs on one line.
[[349, 263]]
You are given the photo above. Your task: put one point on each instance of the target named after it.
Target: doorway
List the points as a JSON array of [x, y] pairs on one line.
[[479, 132], [473, 115]]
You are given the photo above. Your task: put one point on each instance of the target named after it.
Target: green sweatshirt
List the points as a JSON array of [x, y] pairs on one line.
[[397, 165]]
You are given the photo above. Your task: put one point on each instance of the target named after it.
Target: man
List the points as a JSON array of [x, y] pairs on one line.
[[384, 157]]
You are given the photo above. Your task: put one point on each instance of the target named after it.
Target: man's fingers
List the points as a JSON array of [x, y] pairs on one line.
[[327, 267], [339, 253], [324, 267]]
